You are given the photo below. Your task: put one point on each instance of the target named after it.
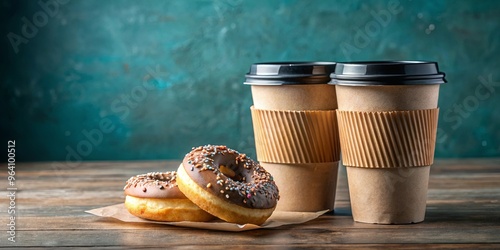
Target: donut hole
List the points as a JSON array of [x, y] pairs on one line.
[[232, 172], [227, 171]]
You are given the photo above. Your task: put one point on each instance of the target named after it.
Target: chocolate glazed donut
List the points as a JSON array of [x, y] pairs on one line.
[[228, 184], [156, 196]]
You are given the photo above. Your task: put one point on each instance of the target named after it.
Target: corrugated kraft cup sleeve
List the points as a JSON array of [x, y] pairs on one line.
[[286, 136], [390, 139]]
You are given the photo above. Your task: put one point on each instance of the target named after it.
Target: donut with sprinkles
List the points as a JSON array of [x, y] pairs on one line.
[[228, 185], [156, 196]]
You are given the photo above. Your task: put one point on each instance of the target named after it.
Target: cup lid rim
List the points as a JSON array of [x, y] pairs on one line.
[[387, 73], [293, 72]]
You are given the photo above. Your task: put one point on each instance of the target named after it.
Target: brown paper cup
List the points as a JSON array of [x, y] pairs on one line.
[[387, 123], [296, 133], [296, 139], [306, 187], [283, 136], [388, 138]]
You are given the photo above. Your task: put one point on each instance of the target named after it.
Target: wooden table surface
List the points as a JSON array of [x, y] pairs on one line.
[[463, 210]]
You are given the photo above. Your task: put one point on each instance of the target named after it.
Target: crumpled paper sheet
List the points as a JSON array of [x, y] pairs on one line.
[[278, 218]]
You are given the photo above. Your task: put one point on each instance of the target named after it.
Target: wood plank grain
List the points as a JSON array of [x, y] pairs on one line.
[[288, 235]]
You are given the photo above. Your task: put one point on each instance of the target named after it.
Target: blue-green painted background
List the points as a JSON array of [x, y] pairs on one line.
[[123, 80]]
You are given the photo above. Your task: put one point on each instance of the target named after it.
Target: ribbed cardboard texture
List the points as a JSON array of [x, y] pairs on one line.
[[390, 139], [294, 97], [308, 187], [388, 196], [283, 136]]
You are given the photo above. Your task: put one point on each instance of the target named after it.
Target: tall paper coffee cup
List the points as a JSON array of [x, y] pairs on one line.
[[293, 104], [387, 123]]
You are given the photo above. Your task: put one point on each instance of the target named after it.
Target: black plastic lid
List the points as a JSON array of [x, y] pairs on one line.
[[387, 73], [281, 73]]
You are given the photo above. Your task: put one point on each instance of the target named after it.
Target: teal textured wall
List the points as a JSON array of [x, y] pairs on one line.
[[120, 80]]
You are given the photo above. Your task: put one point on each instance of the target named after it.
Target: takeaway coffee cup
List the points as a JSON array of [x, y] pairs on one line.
[[387, 119], [295, 128]]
